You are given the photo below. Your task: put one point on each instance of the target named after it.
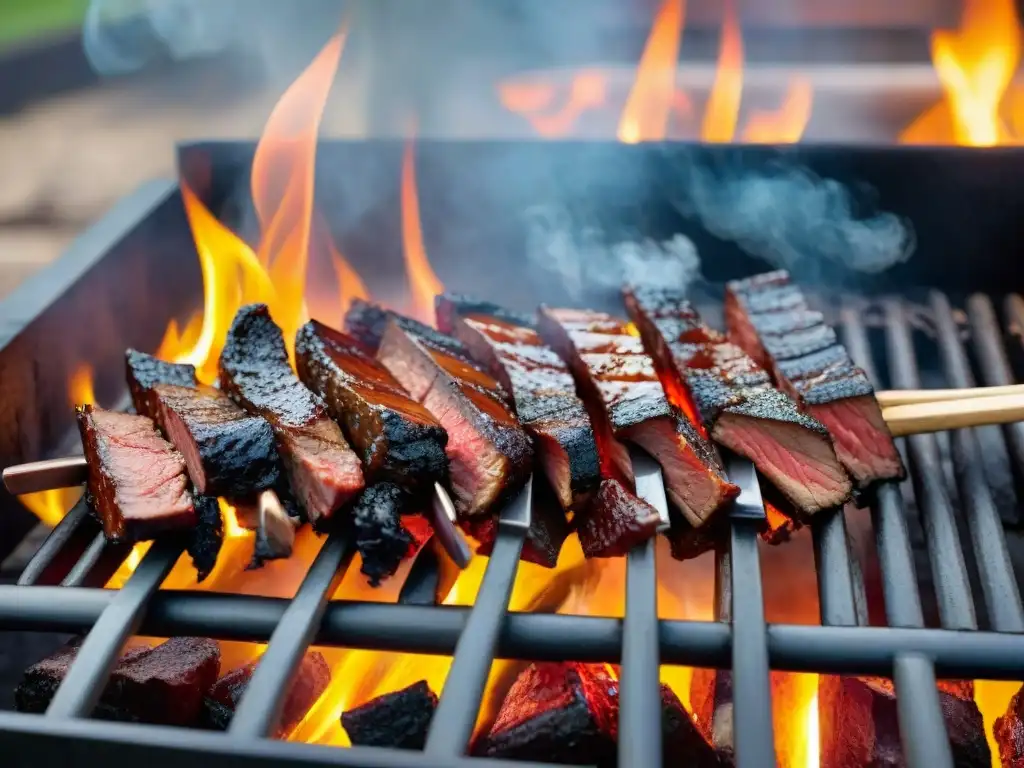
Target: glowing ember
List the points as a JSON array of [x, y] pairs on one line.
[[424, 285], [975, 65]]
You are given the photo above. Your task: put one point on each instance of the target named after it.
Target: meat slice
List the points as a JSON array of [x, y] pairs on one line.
[[137, 480], [206, 539], [366, 323], [323, 470], [542, 390], [162, 685], [489, 454], [396, 720], [309, 682], [769, 318], [735, 401], [398, 440], [626, 402], [227, 451]]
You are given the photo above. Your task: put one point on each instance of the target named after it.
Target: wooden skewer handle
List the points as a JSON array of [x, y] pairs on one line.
[[893, 397], [46, 475], [953, 414]]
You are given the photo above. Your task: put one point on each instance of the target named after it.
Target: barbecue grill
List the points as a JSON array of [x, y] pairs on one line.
[[902, 326]]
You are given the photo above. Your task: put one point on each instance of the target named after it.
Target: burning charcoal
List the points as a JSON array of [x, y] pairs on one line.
[[398, 440], [490, 456], [323, 471], [769, 317], [721, 388], [163, 685], [396, 720], [859, 715], [380, 538], [712, 704], [542, 388], [565, 712], [626, 401], [310, 681], [206, 538], [616, 521], [145, 372], [1009, 732], [137, 480]]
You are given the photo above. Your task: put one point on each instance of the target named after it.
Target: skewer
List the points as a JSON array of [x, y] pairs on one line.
[[953, 414], [68, 472], [893, 397]]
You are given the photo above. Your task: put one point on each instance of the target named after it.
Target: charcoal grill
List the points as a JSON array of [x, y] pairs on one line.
[[473, 195]]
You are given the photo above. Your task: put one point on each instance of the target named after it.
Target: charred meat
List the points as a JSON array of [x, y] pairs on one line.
[[542, 390], [398, 440], [162, 685], [309, 682], [323, 470], [137, 480], [489, 454], [397, 720], [769, 318], [366, 323], [227, 451], [626, 402], [704, 374], [207, 537]]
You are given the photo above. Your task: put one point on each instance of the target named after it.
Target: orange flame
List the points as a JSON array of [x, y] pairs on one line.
[[424, 285], [282, 188], [785, 125], [723, 108], [975, 65], [646, 115], [587, 90]]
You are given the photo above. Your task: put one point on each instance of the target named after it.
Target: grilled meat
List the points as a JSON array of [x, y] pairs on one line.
[[541, 387], [367, 322], [398, 440], [769, 318], [323, 471], [489, 454], [207, 537], [626, 402], [227, 451], [309, 682], [137, 481], [733, 397]]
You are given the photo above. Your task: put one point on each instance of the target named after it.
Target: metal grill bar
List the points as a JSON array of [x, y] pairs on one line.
[[998, 585], [452, 724], [259, 710], [952, 587], [81, 688], [71, 536], [833, 563], [888, 519], [923, 732], [639, 685]]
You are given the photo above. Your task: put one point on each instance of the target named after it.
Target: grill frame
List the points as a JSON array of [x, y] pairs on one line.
[[748, 646]]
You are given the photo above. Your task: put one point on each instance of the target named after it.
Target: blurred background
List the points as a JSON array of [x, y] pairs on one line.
[[95, 93]]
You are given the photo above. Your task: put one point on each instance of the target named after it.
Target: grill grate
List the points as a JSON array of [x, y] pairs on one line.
[[740, 640]]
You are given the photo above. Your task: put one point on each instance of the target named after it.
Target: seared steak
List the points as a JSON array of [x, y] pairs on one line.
[[768, 316], [323, 471], [367, 322], [541, 387], [735, 401], [227, 451], [489, 454], [398, 440], [137, 480], [626, 402]]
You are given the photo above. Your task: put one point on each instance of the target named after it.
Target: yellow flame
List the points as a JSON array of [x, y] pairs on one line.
[[424, 284]]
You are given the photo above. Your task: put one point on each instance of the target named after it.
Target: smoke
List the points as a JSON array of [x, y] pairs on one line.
[[791, 218]]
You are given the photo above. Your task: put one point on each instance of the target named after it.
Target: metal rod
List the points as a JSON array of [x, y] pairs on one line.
[[888, 520], [447, 532], [922, 729], [998, 584], [45, 475], [639, 687], [753, 736], [259, 710], [82, 686], [952, 586], [838, 605], [92, 555], [452, 724], [66, 542]]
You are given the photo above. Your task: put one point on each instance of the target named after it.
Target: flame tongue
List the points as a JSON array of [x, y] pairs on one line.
[[723, 108]]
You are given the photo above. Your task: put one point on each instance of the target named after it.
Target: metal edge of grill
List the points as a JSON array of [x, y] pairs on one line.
[[739, 639]]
